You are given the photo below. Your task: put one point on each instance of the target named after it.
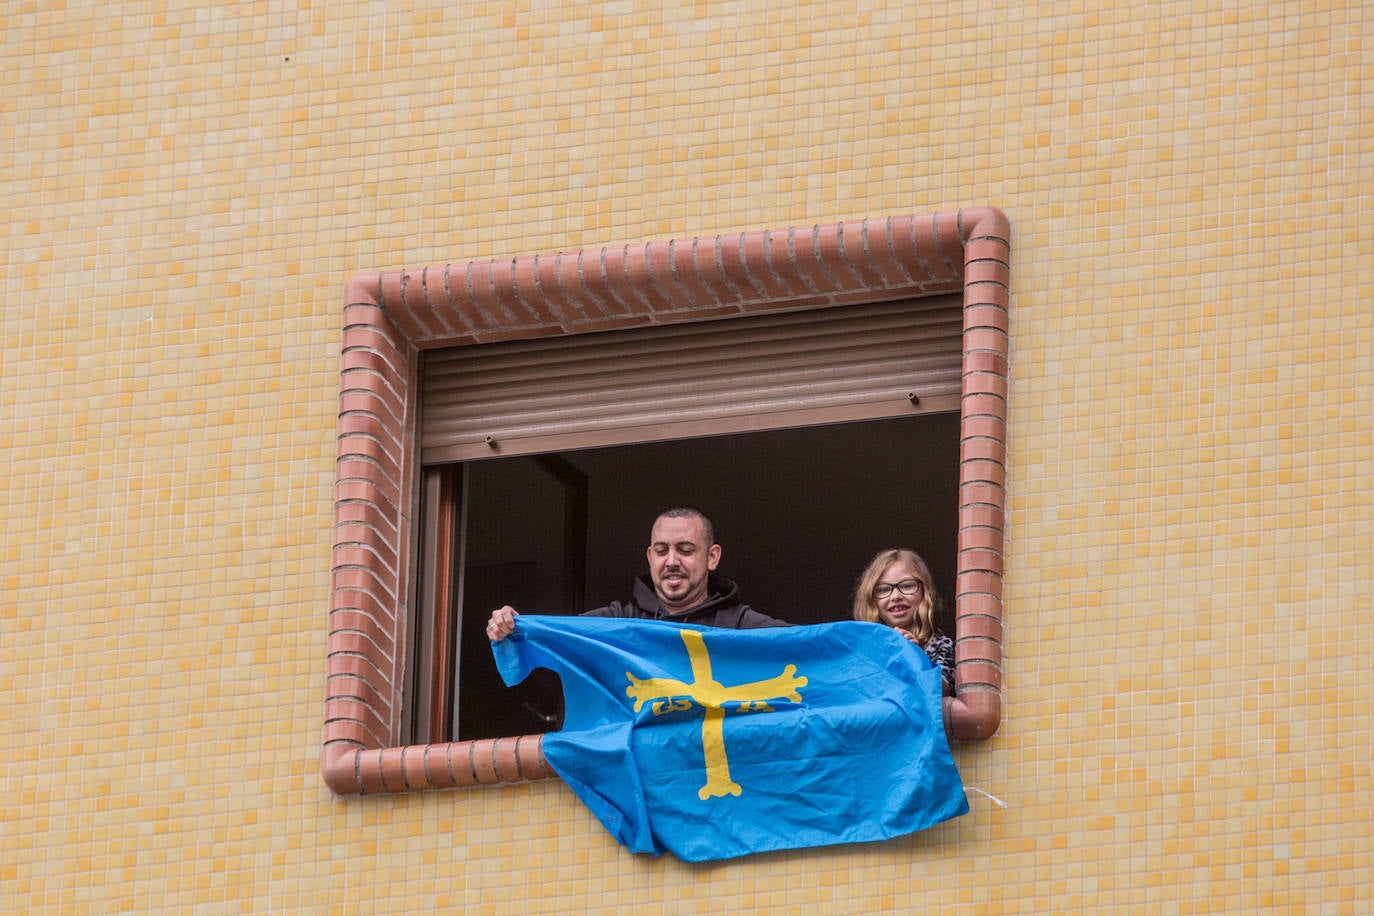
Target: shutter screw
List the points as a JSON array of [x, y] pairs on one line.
[[913, 398], [491, 441]]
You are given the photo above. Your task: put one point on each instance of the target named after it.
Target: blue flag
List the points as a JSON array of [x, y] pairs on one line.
[[713, 743]]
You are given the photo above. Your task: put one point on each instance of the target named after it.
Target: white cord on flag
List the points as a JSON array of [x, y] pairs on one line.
[[997, 801]]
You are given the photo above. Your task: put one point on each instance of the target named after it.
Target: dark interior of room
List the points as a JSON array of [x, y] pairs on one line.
[[798, 513]]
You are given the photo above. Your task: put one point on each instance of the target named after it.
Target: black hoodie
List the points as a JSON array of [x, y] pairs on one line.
[[722, 607]]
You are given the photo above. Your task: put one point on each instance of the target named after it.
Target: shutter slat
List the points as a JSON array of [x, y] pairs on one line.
[[649, 346], [762, 372]]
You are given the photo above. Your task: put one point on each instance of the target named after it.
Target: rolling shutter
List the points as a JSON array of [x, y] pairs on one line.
[[857, 362]]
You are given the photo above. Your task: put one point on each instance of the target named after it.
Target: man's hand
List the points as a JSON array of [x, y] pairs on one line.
[[502, 623]]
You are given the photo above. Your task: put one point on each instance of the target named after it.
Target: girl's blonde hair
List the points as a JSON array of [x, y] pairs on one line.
[[866, 606]]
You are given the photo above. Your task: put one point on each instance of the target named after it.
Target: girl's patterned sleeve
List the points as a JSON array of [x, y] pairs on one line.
[[941, 652]]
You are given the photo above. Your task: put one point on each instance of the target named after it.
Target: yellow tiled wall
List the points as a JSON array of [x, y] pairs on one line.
[[1190, 544]]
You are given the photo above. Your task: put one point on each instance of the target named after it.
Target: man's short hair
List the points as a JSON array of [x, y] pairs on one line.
[[689, 512]]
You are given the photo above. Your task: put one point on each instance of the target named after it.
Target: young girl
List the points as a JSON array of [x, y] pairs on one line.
[[896, 589]]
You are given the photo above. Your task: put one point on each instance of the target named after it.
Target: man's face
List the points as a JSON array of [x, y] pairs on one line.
[[679, 561]]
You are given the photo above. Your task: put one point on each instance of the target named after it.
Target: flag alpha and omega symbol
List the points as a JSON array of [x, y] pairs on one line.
[[670, 695]]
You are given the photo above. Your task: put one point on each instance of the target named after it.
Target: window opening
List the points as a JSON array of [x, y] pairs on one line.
[[798, 513]]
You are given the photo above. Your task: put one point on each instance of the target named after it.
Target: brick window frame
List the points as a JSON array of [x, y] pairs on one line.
[[391, 316]]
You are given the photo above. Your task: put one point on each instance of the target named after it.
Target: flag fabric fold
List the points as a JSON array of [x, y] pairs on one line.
[[714, 743]]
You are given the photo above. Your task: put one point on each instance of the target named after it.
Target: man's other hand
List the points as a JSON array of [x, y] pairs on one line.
[[502, 623]]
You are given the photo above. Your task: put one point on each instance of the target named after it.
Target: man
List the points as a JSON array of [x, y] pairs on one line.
[[681, 585]]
